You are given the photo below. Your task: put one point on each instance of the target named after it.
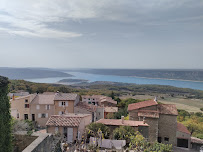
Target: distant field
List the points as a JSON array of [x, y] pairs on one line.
[[190, 105]]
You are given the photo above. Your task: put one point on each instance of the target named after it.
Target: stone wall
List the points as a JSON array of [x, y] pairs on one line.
[[167, 129], [42, 143]]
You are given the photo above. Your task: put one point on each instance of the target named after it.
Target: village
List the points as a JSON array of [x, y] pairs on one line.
[[69, 122]]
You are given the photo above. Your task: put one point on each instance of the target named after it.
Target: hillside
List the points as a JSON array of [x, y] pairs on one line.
[[30, 73], [193, 75]]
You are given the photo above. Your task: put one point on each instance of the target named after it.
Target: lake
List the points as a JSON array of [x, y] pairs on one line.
[[124, 79]]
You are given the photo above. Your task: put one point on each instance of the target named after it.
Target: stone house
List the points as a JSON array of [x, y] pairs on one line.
[[70, 126], [196, 143], [183, 136], [162, 121], [140, 126]]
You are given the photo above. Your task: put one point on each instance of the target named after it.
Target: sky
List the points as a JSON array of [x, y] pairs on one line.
[[133, 34]]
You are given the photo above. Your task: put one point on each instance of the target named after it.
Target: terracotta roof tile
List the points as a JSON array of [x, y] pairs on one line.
[[65, 96], [196, 140], [142, 104], [118, 122], [43, 99], [88, 107], [182, 128], [169, 109], [110, 109], [70, 120]]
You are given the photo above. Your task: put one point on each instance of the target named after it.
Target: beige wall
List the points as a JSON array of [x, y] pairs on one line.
[[18, 105], [51, 129], [58, 108], [84, 122], [41, 122]]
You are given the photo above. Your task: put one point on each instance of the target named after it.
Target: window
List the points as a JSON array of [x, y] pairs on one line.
[[63, 103], [92, 99], [25, 116], [166, 138], [43, 115], [26, 105], [56, 129], [159, 139], [89, 99], [26, 100], [18, 115], [47, 107], [37, 107], [89, 103]]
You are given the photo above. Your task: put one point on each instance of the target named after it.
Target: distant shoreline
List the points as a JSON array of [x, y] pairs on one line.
[[163, 78]]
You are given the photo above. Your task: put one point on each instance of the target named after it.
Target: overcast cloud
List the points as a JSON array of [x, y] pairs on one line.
[[101, 34]]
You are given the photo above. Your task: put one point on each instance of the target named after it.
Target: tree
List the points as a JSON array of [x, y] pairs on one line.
[[123, 133], [5, 117], [112, 95], [93, 129]]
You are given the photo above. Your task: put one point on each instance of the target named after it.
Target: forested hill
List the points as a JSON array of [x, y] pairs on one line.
[[194, 75], [30, 73]]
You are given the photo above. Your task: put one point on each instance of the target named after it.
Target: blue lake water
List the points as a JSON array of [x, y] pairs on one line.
[[124, 79]]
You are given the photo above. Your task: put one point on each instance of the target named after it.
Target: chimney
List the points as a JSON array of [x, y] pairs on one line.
[[155, 99], [122, 119], [13, 97]]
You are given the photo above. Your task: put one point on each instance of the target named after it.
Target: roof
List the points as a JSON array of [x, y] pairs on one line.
[[70, 120], [169, 109], [88, 107], [93, 96], [31, 96], [196, 140], [65, 96], [118, 122], [148, 113], [110, 109], [142, 104], [107, 99], [44, 99], [182, 128]]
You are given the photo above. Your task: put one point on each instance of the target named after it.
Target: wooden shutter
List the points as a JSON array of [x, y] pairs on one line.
[[39, 115], [66, 103]]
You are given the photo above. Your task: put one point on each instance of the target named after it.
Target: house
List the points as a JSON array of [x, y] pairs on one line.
[[99, 100], [140, 126], [20, 107], [196, 143], [84, 108], [65, 102], [109, 111], [70, 126], [42, 107], [39, 107], [161, 118], [162, 121], [183, 136]]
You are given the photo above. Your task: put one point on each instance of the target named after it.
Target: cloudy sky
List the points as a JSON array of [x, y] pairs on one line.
[[101, 33]]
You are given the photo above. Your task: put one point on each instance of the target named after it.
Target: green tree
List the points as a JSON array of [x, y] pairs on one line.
[[93, 129], [5, 117], [123, 133]]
